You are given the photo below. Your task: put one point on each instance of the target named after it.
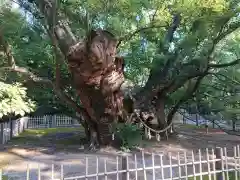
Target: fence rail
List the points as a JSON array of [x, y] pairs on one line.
[[51, 122], [196, 119], [13, 128], [209, 164]]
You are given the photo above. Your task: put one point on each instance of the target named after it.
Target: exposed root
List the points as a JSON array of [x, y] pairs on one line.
[[93, 144]]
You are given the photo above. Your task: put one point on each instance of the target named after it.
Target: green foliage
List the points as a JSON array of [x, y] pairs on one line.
[[130, 135], [201, 23], [218, 94], [32, 49], [14, 100], [5, 177]]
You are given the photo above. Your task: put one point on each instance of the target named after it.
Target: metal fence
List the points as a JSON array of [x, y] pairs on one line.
[[205, 164], [13, 128], [198, 120]]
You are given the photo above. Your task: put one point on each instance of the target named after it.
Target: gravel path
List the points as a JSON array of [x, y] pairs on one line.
[[75, 165], [74, 162]]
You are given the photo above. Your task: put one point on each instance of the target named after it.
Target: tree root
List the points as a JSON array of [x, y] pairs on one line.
[[93, 144]]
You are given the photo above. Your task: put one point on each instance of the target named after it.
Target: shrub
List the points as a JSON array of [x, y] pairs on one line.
[[129, 135]]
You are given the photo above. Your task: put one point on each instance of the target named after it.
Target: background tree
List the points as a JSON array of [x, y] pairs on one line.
[[217, 97], [14, 101]]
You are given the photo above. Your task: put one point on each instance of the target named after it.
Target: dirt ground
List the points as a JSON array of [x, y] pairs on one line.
[[15, 156]]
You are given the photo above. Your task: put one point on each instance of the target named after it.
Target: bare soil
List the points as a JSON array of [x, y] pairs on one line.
[[16, 156]]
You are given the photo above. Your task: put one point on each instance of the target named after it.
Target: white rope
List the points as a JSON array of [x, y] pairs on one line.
[[153, 130], [148, 129]]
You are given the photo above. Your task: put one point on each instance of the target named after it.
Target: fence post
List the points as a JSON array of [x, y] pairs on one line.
[[218, 163], [125, 167], [28, 121], [20, 125], [45, 121], [11, 128], [54, 121], [1, 133]]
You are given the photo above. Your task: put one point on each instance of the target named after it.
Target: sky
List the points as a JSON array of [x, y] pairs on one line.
[[27, 15], [15, 5]]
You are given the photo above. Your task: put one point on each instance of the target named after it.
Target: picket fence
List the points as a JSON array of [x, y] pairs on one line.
[[212, 164], [13, 128]]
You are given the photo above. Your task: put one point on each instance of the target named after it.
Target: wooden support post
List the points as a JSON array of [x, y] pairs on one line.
[[1, 133], [206, 126], [219, 163], [11, 127], [53, 120], [125, 168]]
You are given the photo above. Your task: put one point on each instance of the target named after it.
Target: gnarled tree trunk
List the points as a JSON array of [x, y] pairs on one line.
[[98, 76], [97, 73]]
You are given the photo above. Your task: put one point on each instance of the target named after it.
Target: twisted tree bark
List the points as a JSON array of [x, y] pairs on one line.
[[97, 72], [98, 76]]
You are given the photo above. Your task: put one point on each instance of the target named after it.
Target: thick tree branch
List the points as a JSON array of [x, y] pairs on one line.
[[180, 80], [225, 76], [232, 27], [189, 94], [216, 87], [223, 34], [132, 34], [54, 43], [160, 87], [62, 31], [175, 84], [225, 64], [168, 39], [155, 14], [156, 73], [172, 29], [7, 51], [31, 76]]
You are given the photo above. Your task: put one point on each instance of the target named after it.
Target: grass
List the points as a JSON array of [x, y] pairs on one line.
[[202, 127], [47, 131], [4, 177], [46, 135], [192, 126], [205, 177]]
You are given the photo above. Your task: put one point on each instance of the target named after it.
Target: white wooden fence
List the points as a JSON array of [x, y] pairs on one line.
[[211, 164], [14, 127], [51, 122]]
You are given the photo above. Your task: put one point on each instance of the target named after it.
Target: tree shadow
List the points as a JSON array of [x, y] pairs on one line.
[[64, 148], [73, 142], [48, 142], [193, 140]]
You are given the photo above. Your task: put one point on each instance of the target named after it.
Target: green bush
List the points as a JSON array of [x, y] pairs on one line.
[[130, 135]]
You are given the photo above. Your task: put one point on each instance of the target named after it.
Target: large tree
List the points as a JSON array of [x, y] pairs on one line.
[[176, 49], [217, 97]]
